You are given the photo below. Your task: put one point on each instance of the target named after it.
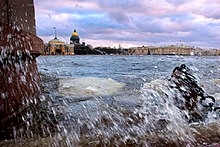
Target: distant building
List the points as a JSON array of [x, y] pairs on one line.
[[208, 52], [175, 50], [81, 48], [166, 50], [74, 39], [58, 47]]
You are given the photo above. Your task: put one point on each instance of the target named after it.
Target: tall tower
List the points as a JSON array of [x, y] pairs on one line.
[[74, 39]]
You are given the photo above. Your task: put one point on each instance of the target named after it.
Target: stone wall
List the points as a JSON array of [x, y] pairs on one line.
[[19, 47], [19, 14]]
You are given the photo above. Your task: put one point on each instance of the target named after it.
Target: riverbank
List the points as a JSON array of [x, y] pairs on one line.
[[148, 50]]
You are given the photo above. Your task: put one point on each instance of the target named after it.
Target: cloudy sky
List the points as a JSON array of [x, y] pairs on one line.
[[131, 22]]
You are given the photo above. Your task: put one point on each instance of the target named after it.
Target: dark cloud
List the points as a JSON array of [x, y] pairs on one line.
[[119, 16], [122, 4], [212, 13], [178, 2], [149, 24]]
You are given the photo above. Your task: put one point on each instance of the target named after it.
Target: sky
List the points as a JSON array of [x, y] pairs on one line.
[[131, 23]]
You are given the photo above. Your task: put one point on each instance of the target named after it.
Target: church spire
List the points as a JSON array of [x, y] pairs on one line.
[[55, 33]]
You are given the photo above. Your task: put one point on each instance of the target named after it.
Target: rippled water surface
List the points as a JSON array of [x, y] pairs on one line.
[[120, 101]]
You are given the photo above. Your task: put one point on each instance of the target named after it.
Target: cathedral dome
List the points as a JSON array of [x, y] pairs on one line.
[[74, 34], [74, 39]]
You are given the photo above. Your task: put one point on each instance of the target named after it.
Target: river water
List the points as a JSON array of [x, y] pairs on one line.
[[119, 101]]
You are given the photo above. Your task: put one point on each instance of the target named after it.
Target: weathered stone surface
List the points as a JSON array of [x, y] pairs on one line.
[[18, 47], [19, 14], [19, 78], [18, 70]]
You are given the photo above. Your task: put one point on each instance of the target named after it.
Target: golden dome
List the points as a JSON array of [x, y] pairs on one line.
[[75, 33]]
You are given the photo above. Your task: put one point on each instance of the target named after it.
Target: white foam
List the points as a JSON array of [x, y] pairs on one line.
[[89, 86], [158, 85], [217, 96]]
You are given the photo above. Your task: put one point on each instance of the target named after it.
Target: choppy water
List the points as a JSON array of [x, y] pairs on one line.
[[120, 101]]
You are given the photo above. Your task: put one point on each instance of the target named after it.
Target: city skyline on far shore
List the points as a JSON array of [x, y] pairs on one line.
[[131, 23]]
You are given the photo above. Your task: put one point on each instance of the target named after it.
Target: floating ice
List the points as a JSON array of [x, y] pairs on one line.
[[89, 86]]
